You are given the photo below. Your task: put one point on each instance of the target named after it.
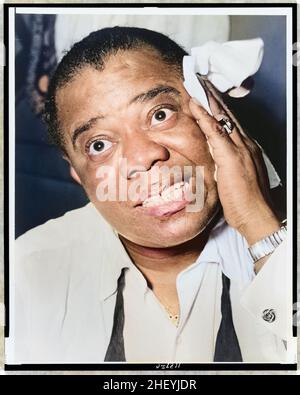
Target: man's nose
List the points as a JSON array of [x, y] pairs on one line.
[[142, 153]]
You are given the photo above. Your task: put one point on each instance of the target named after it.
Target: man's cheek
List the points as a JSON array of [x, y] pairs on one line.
[[188, 140], [90, 176], [105, 187]]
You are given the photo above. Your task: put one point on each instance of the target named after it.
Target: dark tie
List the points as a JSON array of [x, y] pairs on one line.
[[227, 347], [115, 351]]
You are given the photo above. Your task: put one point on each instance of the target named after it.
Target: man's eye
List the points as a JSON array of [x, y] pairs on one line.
[[99, 146], [161, 115]]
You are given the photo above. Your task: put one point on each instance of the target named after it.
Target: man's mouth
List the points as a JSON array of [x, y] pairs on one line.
[[173, 193], [169, 201]]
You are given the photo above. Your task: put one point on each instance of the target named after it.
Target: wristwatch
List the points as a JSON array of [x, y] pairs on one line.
[[267, 245]]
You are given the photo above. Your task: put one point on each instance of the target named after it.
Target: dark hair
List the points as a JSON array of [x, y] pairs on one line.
[[93, 51]]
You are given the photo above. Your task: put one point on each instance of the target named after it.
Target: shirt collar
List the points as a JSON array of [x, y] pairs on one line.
[[115, 257], [109, 250]]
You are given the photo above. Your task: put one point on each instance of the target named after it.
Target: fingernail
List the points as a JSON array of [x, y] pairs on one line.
[[196, 102]]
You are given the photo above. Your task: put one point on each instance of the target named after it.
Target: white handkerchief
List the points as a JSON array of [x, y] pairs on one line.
[[226, 66], [192, 84]]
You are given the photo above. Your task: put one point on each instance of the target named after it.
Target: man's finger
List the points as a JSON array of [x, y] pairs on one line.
[[218, 114], [220, 110], [214, 132]]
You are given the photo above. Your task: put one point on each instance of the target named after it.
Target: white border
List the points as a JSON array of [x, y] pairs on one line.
[[282, 11], [155, 10], [292, 345], [289, 131], [9, 345]]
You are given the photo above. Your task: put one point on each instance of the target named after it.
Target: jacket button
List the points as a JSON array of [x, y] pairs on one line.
[[269, 315]]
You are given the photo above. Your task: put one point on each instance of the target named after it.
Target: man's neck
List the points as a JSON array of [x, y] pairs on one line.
[[160, 266]]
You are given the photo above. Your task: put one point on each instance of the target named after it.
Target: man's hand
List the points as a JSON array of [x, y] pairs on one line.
[[241, 177]]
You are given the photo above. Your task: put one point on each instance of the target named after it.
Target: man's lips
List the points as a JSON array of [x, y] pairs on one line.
[[150, 193], [165, 209], [162, 193], [169, 201]]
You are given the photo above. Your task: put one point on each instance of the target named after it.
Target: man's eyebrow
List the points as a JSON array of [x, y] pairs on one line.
[[83, 128], [142, 97], [152, 93]]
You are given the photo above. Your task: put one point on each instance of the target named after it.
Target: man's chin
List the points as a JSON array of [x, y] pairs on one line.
[[170, 231]]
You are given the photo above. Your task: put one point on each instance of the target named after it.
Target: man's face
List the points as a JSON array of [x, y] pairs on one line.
[[136, 109]]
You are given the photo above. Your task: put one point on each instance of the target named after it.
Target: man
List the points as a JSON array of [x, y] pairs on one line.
[[150, 279]]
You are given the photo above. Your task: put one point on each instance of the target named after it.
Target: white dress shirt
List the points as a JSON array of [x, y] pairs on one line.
[[64, 283]]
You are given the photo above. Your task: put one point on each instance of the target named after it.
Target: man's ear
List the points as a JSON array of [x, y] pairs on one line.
[[74, 175], [73, 172]]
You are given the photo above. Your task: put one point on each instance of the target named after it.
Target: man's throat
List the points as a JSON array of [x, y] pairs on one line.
[[165, 263]]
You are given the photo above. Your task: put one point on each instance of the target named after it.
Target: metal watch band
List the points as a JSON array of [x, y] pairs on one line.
[[267, 245]]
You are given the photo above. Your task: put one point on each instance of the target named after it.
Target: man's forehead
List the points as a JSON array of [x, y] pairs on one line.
[[91, 86], [136, 65], [132, 77], [125, 77], [134, 58]]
